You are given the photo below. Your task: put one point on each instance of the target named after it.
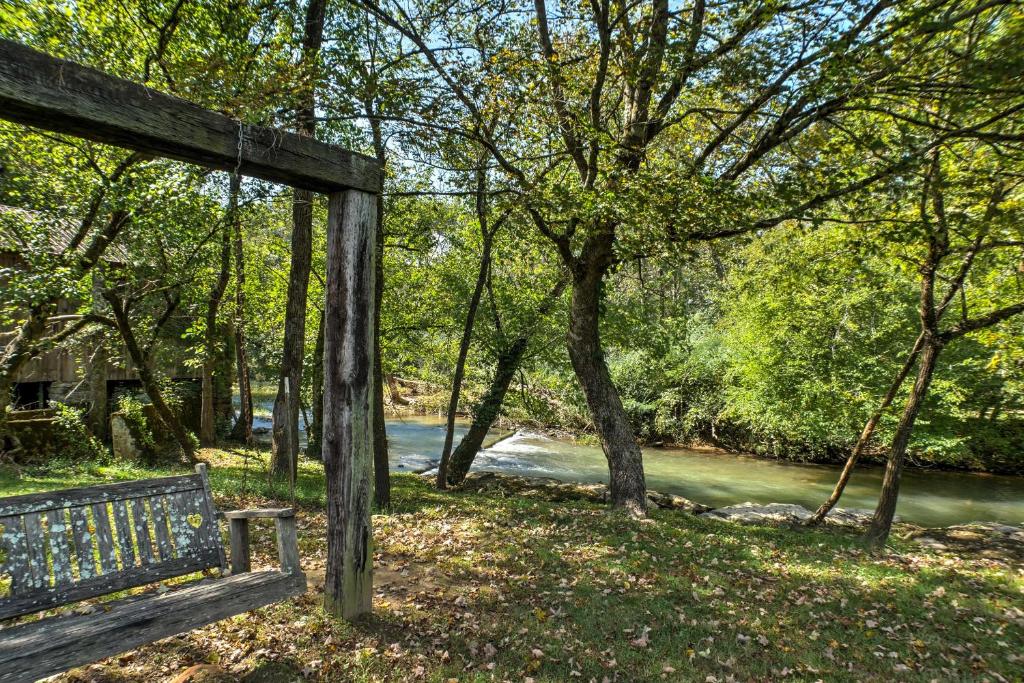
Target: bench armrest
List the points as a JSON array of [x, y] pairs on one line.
[[287, 538], [266, 513]]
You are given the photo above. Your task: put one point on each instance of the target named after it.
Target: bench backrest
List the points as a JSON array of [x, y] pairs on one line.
[[64, 546]]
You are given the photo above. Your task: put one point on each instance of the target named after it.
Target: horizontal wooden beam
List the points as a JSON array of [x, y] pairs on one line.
[[45, 92]]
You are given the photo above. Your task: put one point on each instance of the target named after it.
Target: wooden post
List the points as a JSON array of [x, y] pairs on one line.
[[287, 544], [348, 401], [240, 562]]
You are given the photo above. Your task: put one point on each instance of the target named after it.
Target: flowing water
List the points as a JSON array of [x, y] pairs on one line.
[[926, 497]]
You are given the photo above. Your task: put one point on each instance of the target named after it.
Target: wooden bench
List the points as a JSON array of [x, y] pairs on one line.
[[61, 547]]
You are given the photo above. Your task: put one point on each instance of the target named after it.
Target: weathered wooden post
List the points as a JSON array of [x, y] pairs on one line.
[[348, 401]]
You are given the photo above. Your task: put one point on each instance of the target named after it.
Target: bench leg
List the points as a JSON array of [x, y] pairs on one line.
[[240, 546]]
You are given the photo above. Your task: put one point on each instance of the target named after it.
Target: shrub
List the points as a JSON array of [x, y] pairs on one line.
[[70, 438]]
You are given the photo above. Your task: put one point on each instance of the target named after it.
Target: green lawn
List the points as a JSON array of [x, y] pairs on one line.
[[479, 587]]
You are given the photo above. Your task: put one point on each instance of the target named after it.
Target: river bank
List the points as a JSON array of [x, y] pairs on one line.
[[714, 477], [987, 538]]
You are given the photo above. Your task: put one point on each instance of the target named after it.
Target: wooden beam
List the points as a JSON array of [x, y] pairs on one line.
[[45, 92], [348, 401]]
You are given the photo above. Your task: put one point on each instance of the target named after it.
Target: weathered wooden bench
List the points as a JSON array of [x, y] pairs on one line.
[[61, 547]]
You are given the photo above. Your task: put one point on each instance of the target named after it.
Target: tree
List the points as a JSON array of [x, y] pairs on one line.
[[942, 223], [509, 361], [603, 88], [488, 230], [208, 418], [56, 271], [242, 430], [285, 453]]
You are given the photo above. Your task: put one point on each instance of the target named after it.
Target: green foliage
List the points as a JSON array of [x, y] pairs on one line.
[[71, 439], [779, 340]]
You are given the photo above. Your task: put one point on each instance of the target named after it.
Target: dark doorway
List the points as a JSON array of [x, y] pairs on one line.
[[31, 395]]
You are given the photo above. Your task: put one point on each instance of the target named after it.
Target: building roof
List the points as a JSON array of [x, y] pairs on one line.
[[27, 228]]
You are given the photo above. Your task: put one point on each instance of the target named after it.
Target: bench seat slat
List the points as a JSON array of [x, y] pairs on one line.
[[14, 555], [35, 536], [186, 540], [160, 530], [207, 527], [123, 526], [140, 518], [49, 646], [60, 548], [83, 543], [104, 537]]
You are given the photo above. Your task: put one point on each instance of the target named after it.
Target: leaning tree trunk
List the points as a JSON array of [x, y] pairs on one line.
[[208, 416], [881, 522], [486, 412], [151, 385], [98, 417], [625, 461], [865, 435], [460, 363]]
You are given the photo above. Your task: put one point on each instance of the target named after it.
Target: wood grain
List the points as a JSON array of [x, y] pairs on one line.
[[42, 648], [45, 92], [348, 404]]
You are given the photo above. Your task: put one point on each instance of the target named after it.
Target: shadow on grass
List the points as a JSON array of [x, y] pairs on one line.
[[573, 590]]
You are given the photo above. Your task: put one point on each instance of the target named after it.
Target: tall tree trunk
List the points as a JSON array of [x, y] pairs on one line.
[[625, 461], [208, 417], [314, 439], [285, 432], [487, 411], [881, 522], [98, 416], [243, 426], [381, 466], [866, 434], [460, 363]]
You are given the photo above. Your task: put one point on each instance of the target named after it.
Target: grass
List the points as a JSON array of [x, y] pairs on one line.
[[482, 587]]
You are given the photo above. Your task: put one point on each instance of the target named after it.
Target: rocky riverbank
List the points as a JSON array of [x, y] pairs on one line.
[[984, 538]]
